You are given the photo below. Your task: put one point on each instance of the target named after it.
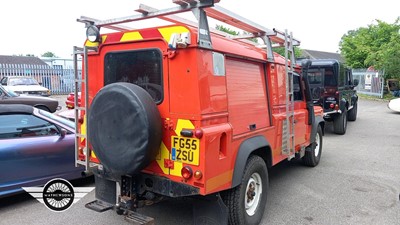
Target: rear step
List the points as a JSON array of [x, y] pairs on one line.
[[99, 206], [139, 219]]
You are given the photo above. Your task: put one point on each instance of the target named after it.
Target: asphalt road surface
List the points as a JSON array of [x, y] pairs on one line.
[[356, 182]]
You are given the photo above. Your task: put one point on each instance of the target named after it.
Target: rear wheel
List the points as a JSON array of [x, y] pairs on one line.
[[246, 202], [353, 113], [340, 123], [314, 151]]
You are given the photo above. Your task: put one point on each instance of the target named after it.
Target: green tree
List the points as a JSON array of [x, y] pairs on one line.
[[280, 50], [49, 54], [297, 51], [233, 32], [226, 30], [377, 45]]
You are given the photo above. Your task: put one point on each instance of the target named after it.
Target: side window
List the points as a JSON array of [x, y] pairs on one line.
[[23, 125], [4, 81], [218, 64], [349, 77], [297, 93], [342, 76]]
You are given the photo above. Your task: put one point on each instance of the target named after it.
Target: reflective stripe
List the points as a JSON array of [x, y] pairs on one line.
[[95, 44], [165, 33], [168, 31], [131, 36], [181, 124], [162, 155], [177, 169], [219, 180]]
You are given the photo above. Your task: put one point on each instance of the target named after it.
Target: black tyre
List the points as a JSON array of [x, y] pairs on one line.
[[124, 128], [246, 202], [353, 113], [340, 123], [313, 152]]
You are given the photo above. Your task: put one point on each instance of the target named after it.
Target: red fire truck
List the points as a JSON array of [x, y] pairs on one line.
[[185, 110]]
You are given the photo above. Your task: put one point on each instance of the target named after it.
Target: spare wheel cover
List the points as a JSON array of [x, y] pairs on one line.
[[124, 128]]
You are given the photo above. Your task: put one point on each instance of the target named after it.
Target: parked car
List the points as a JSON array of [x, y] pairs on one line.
[[35, 147], [24, 85], [333, 88], [70, 102], [8, 96], [394, 104], [67, 114]]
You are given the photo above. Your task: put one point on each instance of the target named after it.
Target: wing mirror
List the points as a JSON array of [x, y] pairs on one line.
[[355, 82], [63, 132]]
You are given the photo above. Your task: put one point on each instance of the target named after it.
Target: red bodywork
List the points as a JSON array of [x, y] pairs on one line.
[[70, 102], [248, 101]]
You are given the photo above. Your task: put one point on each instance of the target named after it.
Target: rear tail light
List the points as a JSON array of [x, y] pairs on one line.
[[198, 133], [198, 175], [336, 107], [186, 172]]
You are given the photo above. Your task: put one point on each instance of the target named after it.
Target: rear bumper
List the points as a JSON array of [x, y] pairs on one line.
[[107, 188], [328, 114]]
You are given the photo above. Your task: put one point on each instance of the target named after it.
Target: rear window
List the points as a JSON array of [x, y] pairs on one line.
[[143, 68], [319, 76]]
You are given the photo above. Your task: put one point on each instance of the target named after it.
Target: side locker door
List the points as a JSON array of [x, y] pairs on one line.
[[300, 112]]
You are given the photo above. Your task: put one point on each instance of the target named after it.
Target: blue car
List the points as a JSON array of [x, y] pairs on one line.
[[35, 147]]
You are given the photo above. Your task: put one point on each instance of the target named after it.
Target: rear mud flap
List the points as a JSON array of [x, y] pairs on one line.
[[210, 210]]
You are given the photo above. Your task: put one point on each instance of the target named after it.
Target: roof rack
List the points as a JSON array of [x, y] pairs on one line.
[[201, 9]]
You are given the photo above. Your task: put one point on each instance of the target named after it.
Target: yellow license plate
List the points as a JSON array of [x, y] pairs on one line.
[[185, 150]]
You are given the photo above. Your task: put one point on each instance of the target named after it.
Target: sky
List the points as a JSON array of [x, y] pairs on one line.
[[35, 27]]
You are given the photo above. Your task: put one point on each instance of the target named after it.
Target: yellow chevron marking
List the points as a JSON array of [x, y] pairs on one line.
[[168, 31], [95, 44], [163, 154], [183, 124], [131, 36], [177, 169]]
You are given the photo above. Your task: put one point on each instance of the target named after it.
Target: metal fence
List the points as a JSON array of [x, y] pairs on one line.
[[370, 82], [59, 81]]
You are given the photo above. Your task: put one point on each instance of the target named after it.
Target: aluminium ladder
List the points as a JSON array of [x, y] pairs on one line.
[[83, 107], [288, 128], [203, 9]]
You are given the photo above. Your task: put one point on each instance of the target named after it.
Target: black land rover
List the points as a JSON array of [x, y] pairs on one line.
[[332, 87]]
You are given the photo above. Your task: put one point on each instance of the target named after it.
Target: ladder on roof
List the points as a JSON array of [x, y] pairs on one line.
[[81, 132], [288, 128], [201, 9]]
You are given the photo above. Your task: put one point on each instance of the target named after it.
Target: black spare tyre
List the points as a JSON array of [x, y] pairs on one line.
[[124, 128]]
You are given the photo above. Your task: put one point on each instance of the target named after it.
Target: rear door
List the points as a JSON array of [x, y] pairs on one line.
[[144, 64]]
